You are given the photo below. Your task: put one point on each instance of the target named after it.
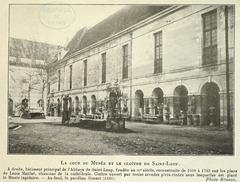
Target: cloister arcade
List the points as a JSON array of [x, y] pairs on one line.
[[206, 104]]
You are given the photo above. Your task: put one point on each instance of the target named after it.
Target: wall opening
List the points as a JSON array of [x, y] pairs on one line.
[[180, 101], [93, 104], [84, 102], [139, 103], [59, 107], [210, 104], [77, 105], [157, 101]]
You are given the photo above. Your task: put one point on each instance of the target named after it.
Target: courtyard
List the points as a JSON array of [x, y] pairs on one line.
[[49, 136]]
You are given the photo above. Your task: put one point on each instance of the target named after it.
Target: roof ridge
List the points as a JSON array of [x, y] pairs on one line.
[[20, 39], [115, 23]]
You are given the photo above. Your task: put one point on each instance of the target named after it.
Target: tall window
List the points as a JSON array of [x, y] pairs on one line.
[[158, 52], [104, 68], [85, 73], [125, 62], [70, 77], [59, 80], [210, 37]]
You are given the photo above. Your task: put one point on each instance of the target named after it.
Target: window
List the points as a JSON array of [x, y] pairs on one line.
[[59, 80], [158, 52], [125, 62], [104, 68], [70, 77], [210, 37], [85, 73]]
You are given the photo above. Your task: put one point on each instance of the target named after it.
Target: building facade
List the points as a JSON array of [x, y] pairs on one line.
[[166, 59], [27, 73]]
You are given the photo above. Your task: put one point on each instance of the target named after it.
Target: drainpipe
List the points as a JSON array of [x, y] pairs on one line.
[[131, 75], [229, 124]]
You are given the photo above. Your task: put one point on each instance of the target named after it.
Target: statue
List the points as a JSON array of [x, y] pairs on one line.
[[115, 119]]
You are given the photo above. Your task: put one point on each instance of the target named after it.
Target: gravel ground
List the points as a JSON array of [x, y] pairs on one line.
[[138, 139]]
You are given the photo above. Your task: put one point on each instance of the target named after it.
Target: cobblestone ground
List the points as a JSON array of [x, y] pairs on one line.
[[50, 137]]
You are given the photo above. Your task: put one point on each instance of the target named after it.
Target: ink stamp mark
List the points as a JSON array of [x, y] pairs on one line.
[[57, 16]]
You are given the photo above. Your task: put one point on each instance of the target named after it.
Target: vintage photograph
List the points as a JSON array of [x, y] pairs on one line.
[[121, 79]]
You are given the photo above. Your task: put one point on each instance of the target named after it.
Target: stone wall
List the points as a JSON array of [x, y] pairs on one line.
[[20, 78], [182, 59]]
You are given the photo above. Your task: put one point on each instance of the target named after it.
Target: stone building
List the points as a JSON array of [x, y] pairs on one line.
[[27, 73], [167, 59]]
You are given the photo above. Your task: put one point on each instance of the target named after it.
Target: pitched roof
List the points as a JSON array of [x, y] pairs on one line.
[[113, 24], [72, 45], [21, 48]]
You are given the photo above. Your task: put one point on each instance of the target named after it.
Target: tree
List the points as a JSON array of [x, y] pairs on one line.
[[34, 80], [27, 70]]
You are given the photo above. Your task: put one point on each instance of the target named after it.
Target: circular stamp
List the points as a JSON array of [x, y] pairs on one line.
[[57, 16]]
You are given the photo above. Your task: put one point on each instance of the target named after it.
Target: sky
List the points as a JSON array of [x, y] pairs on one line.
[[55, 24]]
